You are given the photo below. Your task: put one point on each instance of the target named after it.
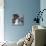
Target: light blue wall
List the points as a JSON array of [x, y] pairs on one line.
[[43, 6], [24, 7]]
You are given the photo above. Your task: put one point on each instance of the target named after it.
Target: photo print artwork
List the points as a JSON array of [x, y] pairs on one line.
[[17, 19]]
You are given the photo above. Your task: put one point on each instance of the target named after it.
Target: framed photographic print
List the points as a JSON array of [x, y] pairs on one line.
[[17, 20]]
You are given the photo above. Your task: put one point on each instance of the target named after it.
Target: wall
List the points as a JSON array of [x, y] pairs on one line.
[[1, 20], [43, 6], [24, 7]]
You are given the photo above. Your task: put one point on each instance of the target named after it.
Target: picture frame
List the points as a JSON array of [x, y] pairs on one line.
[[17, 19]]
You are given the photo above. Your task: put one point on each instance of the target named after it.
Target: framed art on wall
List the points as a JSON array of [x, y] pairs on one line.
[[17, 20]]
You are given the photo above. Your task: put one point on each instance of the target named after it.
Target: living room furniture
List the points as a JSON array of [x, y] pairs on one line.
[[39, 33]]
